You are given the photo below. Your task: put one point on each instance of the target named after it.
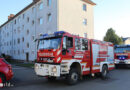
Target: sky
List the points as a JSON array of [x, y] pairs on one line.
[[112, 14], [107, 14]]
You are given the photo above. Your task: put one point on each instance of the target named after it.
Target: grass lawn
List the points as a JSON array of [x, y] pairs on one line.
[[22, 64], [29, 65]]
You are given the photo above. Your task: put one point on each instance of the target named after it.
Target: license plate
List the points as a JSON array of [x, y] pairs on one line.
[[122, 62]]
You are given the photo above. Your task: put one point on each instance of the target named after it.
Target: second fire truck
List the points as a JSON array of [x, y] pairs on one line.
[[62, 54], [122, 55]]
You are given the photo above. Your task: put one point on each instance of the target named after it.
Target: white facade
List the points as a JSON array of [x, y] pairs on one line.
[[46, 16]]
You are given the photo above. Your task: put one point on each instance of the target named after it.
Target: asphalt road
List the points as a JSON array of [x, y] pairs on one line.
[[25, 79]]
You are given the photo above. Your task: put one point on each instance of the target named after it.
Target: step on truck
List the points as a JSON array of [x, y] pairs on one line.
[[122, 55], [62, 54]]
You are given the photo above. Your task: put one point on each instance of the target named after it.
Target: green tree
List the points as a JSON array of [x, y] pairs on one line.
[[111, 36]]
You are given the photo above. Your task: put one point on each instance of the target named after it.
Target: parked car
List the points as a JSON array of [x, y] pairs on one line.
[[5, 70]]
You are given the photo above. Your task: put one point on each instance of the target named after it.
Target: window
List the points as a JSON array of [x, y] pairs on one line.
[[14, 42], [23, 51], [84, 44], [23, 39], [18, 29], [18, 41], [32, 52], [33, 9], [84, 7], [7, 43], [23, 16], [49, 17], [10, 43], [15, 31], [7, 34], [18, 52], [81, 44], [40, 21], [28, 19], [27, 45], [40, 6], [69, 42], [49, 2], [85, 35], [14, 51], [33, 37], [77, 44], [15, 22], [27, 32], [85, 21], [32, 22], [23, 27], [19, 19]]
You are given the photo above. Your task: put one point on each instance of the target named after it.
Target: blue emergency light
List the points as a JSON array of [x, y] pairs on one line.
[[122, 57], [59, 33], [52, 35]]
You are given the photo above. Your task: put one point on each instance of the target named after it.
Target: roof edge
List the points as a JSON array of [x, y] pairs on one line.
[[24, 9], [89, 1]]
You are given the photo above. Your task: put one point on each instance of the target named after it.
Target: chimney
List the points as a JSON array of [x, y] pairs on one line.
[[10, 16]]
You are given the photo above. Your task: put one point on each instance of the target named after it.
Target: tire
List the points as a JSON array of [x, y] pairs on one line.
[[2, 79], [104, 72], [51, 78], [73, 77], [117, 66]]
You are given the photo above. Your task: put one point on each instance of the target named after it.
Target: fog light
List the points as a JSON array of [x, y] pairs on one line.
[[42, 65], [36, 66]]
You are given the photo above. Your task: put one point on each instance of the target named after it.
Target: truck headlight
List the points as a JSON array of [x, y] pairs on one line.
[[54, 69]]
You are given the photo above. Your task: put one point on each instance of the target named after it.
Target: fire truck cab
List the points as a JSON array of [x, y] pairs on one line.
[[62, 54]]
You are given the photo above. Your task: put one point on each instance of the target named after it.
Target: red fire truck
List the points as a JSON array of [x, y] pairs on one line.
[[122, 55], [62, 54]]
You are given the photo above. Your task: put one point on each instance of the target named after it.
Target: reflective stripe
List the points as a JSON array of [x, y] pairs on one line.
[[58, 59], [111, 65], [95, 68], [58, 52], [84, 68]]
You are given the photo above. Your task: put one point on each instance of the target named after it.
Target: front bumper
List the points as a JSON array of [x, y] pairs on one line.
[[47, 70], [117, 61]]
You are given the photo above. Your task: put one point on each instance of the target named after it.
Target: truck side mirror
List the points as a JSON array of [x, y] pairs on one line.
[[64, 43]]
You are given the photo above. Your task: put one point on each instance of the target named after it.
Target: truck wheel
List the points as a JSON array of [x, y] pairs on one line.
[[104, 72], [117, 66], [51, 78], [73, 77], [2, 79]]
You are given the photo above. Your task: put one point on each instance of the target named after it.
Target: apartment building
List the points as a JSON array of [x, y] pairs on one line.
[[126, 41], [18, 34]]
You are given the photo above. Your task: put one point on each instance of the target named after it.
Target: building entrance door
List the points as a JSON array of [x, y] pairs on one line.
[[27, 56]]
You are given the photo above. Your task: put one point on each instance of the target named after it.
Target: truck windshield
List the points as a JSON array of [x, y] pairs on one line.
[[122, 50], [49, 43]]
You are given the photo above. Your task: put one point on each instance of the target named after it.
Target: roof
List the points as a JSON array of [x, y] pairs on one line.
[[27, 7], [124, 39], [90, 2]]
